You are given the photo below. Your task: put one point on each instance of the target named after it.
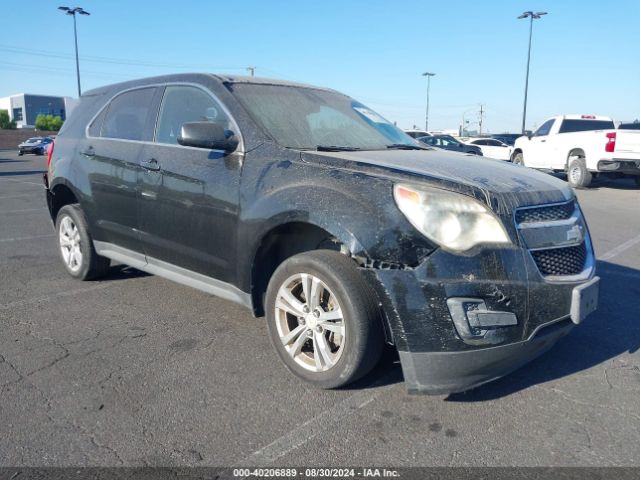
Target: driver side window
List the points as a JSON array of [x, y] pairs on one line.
[[182, 104], [544, 129]]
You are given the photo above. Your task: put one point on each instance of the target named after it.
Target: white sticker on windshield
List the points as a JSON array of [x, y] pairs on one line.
[[370, 114]]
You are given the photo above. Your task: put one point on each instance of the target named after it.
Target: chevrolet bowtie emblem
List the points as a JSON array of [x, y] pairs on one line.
[[574, 233]]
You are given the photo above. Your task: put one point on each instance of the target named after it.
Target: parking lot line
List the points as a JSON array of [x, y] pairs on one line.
[[39, 184], [32, 237], [318, 425], [28, 210], [620, 248]]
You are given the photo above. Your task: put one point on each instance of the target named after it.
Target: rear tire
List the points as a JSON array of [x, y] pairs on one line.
[[323, 319], [518, 159], [75, 245], [578, 175]]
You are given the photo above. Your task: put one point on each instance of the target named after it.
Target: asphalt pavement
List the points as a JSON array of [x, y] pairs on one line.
[[136, 370]]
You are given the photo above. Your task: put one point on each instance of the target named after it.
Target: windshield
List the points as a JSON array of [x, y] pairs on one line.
[[305, 118], [33, 140], [447, 140]]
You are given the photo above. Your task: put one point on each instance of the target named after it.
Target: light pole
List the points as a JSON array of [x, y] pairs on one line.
[[72, 12], [533, 16], [426, 118]]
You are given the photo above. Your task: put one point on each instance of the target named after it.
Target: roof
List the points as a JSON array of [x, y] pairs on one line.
[[181, 77]]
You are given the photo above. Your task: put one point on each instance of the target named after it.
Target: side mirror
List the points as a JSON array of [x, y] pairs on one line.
[[208, 135], [529, 135]]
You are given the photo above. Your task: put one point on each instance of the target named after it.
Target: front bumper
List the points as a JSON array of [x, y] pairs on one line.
[[36, 150], [436, 373], [627, 167], [435, 358]]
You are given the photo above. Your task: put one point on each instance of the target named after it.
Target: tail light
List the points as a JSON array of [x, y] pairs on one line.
[[611, 142], [50, 154]]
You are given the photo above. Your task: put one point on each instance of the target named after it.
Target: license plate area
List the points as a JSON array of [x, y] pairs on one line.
[[584, 300]]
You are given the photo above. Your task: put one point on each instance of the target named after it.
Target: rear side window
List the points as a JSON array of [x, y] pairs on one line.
[[577, 125], [127, 116], [182, 104], [96, 125]]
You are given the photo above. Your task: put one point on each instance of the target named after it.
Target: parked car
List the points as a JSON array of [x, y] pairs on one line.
[[447, 142], [508, 138], [35, 145], [341, 229], [583, 146], [417, 133], [491, 147]]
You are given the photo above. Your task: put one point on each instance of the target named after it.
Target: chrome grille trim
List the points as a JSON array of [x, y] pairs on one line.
[[554, 245]]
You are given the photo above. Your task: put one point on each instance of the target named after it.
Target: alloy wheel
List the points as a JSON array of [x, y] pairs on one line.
[[310, 322], [70, 244]]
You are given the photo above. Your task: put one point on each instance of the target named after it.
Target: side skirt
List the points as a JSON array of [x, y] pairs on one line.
[[174, 273]]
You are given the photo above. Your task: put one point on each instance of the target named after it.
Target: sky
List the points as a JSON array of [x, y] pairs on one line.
[[585, 57]]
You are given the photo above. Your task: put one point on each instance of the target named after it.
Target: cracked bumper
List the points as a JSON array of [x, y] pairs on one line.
[[436, 373], [435, 359]]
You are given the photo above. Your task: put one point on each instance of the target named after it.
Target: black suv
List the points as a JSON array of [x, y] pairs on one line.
[[307, 207]]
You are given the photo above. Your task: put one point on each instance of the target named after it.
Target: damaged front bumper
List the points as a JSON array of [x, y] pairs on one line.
[[510, 315], [437, 373]]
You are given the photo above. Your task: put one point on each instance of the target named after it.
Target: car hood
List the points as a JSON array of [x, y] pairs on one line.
[[501, 185]]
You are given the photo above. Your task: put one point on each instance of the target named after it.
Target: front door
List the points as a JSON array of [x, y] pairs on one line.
[[188, 200], [536, 152]]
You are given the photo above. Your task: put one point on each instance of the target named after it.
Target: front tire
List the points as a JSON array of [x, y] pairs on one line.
[[578, 175], [323, 319], [518, 159], [75, 245]]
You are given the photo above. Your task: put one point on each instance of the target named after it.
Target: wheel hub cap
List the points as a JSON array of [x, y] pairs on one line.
[[310, 322]]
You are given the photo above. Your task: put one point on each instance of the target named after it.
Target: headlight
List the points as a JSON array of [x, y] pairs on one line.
[[453, 221]]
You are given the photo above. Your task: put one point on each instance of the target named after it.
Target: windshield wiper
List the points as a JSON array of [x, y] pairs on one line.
[[336, 148], [406, 146]]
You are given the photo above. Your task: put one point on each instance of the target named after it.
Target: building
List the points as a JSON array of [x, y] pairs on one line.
[[23, 108]]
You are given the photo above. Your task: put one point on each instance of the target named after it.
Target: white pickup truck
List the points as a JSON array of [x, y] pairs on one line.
[[583, 146]]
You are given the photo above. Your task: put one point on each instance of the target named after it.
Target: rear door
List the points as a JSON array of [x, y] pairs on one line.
[[189, 197], [111, 155]]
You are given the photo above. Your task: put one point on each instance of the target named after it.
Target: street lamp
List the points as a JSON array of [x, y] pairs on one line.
[[72, 12], [532, 16], [426, 120]]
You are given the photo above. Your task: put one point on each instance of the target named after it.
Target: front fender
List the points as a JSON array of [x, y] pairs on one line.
[[357, 209]]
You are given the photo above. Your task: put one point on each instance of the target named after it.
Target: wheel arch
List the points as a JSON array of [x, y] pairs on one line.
[[574, 152], [58, 196], [281, 242], [515, 152]]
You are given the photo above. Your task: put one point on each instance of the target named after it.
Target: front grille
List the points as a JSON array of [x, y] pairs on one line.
[[547, 213], [561, 261], [547, 231]]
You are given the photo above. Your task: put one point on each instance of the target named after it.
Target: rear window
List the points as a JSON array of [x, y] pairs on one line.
[[630, 126], [577, 125], [128, 116]]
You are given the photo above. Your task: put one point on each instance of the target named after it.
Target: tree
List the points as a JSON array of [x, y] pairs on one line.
[[5, 122], [48, 122]]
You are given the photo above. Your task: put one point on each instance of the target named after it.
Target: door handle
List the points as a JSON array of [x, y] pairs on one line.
[[151, 165], [542, 141], [89, 152]]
